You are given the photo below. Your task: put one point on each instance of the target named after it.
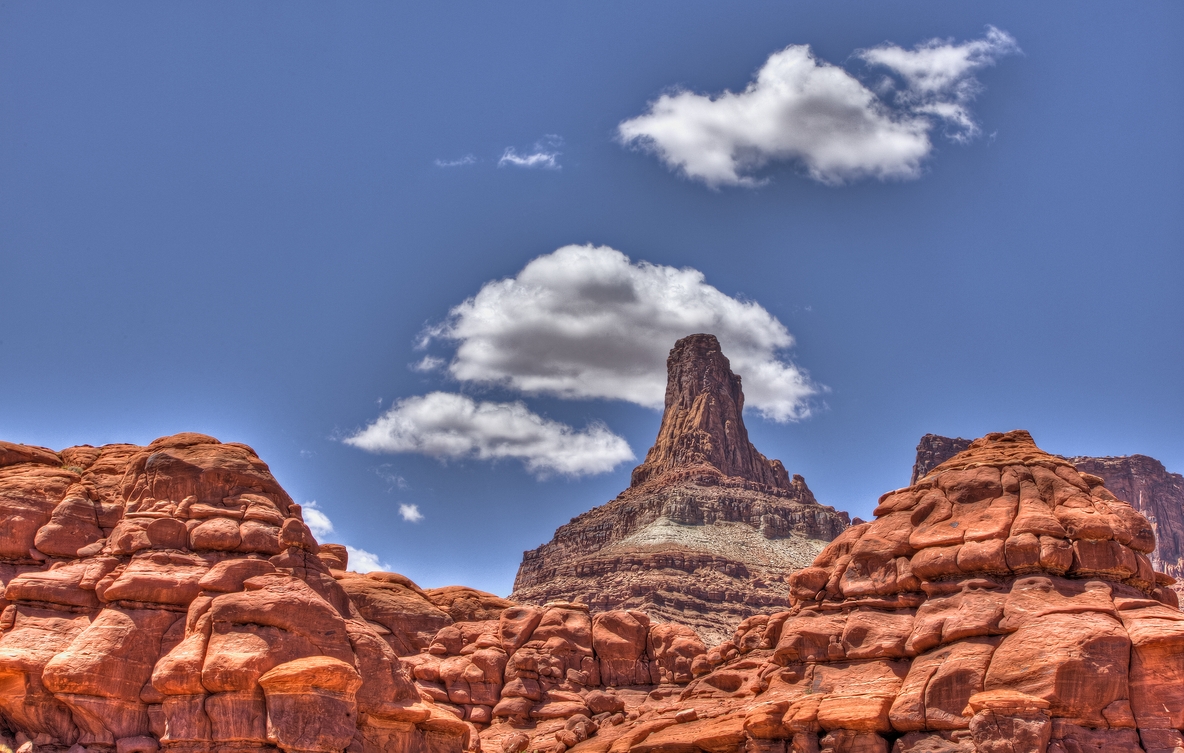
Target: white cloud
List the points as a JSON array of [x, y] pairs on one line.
[[450, 426], [361, 561], [410, 513], [316, 520], [545, 155], [585, 322], [468, 159], [803, 110], [938, 76], [427, 364]]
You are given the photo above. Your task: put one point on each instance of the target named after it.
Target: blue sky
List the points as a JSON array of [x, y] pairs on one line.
[[246, 219]]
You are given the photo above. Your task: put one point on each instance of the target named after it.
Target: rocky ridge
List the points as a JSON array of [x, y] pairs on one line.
[[709, 527], [1140, 480], [171, 596], [1005, 603]]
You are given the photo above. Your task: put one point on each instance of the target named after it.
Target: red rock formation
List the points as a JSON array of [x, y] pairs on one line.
[[171, 595], [1141, 481], [709, 528], [702, 427], [1004, 603], [933, 450]]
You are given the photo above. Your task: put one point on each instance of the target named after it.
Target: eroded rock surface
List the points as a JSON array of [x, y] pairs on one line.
[[1004, 603], [1140, 480], [709, 528], [172, 596]]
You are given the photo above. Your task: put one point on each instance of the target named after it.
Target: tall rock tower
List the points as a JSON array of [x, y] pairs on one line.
[[709, 527]]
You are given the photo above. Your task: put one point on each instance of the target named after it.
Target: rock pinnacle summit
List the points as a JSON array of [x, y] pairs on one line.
[[709, 527]]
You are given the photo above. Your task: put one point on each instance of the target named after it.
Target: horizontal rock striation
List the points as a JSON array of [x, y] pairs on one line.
[[1139, 480], [709, 527]]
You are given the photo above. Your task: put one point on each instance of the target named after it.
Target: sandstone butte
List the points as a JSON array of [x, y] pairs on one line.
[[1140, 480], [709, 528], [170, 596]]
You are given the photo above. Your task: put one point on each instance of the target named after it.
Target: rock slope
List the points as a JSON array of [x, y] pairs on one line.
[[708, 529], [1005, 603], [1140, 480]]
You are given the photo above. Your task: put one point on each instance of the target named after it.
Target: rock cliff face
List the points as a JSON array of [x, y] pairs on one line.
[[709, 528], [1139, 480], [171, 595], [1005, 603]]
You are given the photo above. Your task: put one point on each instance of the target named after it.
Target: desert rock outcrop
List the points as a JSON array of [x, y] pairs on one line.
[[172, 596], [1140, 480], [709, 528], [1005, 603]]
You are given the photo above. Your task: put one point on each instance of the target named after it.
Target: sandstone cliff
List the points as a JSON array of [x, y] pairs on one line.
[[172, 595], [1005, 603], [709, 528], [1140, 480]]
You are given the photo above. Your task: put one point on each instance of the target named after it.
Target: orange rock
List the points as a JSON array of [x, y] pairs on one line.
[[1077, 662], [311, 703]]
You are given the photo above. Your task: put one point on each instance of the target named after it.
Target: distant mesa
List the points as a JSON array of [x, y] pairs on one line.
[[709, 527]]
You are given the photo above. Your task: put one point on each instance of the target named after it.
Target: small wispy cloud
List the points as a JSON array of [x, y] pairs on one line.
[[545, 154], [394, 481], [468, 159], [410, 513], [427, 364]]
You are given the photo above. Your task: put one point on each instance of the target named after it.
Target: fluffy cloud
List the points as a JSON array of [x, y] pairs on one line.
[[410, 513], [361, 561], [545, 154], [451, 426], [316, 520], [586, 322], [803, 110]]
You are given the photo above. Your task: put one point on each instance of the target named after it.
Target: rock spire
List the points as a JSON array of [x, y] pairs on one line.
[[709, 527], [703, 423]]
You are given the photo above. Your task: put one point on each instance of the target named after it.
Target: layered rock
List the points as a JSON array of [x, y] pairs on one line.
[[171, 595], [1140, 480], [1003, 603], [708, 529]]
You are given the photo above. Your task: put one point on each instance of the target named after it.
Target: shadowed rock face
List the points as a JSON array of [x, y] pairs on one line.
[[709, 528], [1137, 479]]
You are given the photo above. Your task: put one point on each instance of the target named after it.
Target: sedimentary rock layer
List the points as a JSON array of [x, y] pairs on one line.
[[709, 527]]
